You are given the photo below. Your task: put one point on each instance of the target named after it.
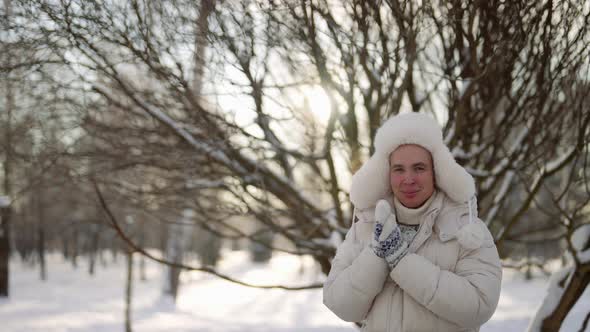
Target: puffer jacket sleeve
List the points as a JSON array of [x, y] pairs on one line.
[[467, 297], [356, 277]]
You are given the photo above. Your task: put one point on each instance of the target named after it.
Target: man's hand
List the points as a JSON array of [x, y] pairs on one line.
[[387, 240]]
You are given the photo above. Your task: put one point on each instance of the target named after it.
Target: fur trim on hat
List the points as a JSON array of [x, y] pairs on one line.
[[371, 182]]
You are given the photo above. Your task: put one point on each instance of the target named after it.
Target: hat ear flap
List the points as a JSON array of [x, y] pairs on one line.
[[450, 177], [371, 182]]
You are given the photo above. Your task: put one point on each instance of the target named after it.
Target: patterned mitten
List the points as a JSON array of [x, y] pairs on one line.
[[388, 242]]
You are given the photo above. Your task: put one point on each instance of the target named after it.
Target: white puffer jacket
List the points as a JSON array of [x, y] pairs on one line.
[[438, 286]]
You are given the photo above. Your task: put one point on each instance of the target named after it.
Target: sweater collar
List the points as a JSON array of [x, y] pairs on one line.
[[415, 216]]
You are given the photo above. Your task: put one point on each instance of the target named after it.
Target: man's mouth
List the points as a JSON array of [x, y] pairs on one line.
[[410, 194]]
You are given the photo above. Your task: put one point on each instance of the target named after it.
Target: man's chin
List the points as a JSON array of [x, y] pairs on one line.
[[413, 203]]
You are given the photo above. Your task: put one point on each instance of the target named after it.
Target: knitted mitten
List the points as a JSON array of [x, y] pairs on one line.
[[388, 242]]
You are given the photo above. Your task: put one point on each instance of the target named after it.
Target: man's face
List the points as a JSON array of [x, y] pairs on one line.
[[411, 175]]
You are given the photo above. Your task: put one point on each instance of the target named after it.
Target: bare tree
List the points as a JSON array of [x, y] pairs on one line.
[[8, 105], [226, 131]]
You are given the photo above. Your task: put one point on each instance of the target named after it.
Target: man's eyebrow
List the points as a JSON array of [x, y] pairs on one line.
[[413, 165]]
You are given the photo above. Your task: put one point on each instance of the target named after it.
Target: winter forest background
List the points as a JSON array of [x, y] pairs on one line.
[[184, 165]]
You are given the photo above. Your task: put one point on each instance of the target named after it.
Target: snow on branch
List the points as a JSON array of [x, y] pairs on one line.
[[548, 169], [499, 197], [555, 289], [580, 241], [462, 154], [272, 180], [4, 201], [552, 166]]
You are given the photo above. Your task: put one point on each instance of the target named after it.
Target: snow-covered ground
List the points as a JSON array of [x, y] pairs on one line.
[[71, 300]]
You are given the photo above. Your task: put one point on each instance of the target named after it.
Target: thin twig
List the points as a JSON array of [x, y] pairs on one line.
[[140, 250], [585, 324]]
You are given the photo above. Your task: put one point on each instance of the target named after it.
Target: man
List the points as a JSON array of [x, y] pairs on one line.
[[416, 258]]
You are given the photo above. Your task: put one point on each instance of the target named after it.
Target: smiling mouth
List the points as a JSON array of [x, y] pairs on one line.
[[410, 192]]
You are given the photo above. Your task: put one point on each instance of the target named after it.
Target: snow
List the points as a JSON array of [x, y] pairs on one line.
[[507, 160], [491, 214], [552, 165], [4, 201], [460, 153], [584, 257], [420, 96], [450, 135], [278, 180], [336, 239], [504, 188], [554, 293], [506, 182], [463, 87], [580, 237], [71, 300]]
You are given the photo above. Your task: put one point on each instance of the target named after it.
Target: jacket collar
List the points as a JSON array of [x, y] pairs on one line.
[[443, 217], [436, 205], [450, 217], [412, 216], [428, 221]]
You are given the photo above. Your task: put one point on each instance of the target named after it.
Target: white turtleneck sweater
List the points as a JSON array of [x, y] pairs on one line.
[[409, 219]]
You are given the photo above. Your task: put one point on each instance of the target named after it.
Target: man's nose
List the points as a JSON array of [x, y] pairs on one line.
[[409, 179]]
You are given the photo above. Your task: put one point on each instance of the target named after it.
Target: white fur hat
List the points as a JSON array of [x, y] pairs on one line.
[[371, 182]]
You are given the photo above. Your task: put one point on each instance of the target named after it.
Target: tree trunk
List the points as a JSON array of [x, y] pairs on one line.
[[7, 166], [174, 253], [102, 258], [129, 291], [142, 276], [528, 273], [38, 197], [575, 288], [202, 30], [114, 250], [75, 248], [173, 282], [93, 249], [65, 248], [208, 247], [4, 249], [178, 239], [41, 251]]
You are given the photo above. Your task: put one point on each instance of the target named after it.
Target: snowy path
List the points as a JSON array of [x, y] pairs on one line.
[[71, 300]]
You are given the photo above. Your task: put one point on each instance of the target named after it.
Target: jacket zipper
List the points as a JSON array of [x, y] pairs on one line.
[[410, 250], [413, 247]]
